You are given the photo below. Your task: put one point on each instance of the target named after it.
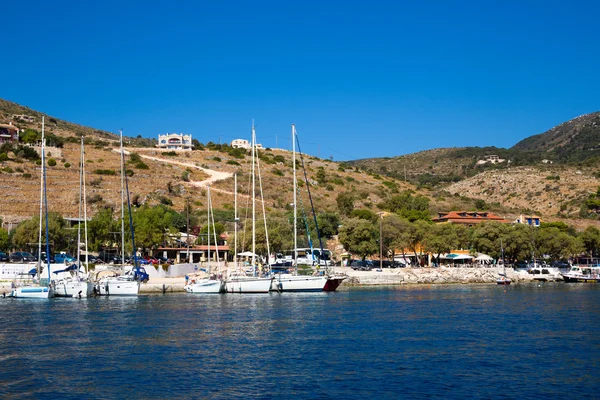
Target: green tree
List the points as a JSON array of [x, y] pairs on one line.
[[4, 240], [328, 224], [101, 230], [359, 236], [590, 238], [413, 237], [345, 203], [440, 238], [558, 244], [392, 228], [26, 234]]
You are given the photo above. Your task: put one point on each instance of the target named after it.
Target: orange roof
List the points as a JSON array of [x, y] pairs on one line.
[[468, 217]]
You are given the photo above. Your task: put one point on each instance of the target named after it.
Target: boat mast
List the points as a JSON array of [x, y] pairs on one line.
[[253, 201], [235, 220], [84, 205], [80, 204], [122, 204], [212, 216], [46, 206], [295, 198], [39, 264], [208, 227]]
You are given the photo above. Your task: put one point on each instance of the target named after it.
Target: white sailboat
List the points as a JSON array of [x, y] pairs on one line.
[[124, 284], [292, 282], [238, 281], [213, 283], [74, 282], [39, 289]]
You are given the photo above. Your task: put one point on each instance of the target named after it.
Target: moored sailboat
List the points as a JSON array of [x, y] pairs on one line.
[[502, 278]]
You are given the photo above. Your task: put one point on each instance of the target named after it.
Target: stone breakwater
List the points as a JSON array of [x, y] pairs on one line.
[[441, 275]]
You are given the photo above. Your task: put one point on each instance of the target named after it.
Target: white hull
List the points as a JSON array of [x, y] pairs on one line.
[[248, 285], [298, 283], [117, 287], [32, 292], [205, 286], [71, 288]]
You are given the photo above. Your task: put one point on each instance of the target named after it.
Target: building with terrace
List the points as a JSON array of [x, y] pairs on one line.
[[175, 141], [469, 218]]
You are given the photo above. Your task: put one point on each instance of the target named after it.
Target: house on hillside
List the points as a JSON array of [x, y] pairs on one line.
[[175, 141], [243, 144], [469, 218], [24, 117], [9, 133], [492, 159], [531, 220]]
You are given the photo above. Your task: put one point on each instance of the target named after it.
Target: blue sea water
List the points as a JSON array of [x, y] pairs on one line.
[[416, 342]]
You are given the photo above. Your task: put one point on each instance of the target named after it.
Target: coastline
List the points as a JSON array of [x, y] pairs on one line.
[[395, 276]]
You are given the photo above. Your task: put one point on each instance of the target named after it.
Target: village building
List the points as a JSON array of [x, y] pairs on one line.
[[24, 118], [243, 144], [531, 220], [9, 133], [492, 159], [175, 141], [469, 218]]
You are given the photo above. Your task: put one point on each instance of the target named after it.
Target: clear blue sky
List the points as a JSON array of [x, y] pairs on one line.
[[358, 78]]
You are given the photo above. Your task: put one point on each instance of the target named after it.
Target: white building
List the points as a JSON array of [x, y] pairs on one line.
[[175, 141], [492, 158], [244, 144]]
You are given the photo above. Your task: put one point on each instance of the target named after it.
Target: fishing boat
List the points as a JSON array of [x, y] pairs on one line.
[[72, 281], [502, 278], [583, 273], [40, 288], [213, 283], [292, 281], [110, 283], [237, 280]]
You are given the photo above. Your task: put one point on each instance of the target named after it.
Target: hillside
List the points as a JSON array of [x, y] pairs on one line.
[[450, 178]]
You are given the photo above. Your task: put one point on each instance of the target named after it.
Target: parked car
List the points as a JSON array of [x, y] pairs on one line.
[[360, 265], [45, 260], [22, 256], [63, 258], [3, 256], [560, 264]]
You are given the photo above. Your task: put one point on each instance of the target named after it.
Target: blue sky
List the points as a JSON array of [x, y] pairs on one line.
[[358, 78]]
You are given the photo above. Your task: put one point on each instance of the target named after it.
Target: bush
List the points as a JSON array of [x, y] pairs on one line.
[[233, 162], [8, 169], [3, 157], [169, 153], [217, 159], [278, 172], [105, 172], [67, 165], [185, 176], [26, 175]]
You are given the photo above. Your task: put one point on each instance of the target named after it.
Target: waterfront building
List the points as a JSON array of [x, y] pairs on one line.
[[175, 141], [468, 218]]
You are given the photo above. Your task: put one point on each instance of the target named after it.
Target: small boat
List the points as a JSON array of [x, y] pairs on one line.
[[544, 273], [583, 273], [213, 283]]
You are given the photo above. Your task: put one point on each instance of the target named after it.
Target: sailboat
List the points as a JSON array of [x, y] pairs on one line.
[[334, 280], [237, 280], [212, 284], [502, 278], [126, 284], [292, 282], [75, 283], [40, 289]]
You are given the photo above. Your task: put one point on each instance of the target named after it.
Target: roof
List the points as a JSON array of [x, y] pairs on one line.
[[468, 217]]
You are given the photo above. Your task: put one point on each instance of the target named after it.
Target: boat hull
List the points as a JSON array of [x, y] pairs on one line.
[[74, 289], [333, 282], [248, 285], [298, 283], [117, 287], [580, 279], [32, 292], [205, 286], [503, 281]]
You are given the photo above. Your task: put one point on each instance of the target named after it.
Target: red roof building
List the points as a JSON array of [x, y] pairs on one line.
[[469, 218]]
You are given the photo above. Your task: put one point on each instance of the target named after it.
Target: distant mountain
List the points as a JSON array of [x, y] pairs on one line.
[[574, 140]]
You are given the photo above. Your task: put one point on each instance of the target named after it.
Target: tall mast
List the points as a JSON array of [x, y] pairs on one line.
[[295, 198], [235, 219], [122, 202], [46, 207], [80, 204], [208, 227], [253, 200], [39, 264], [84, 205]]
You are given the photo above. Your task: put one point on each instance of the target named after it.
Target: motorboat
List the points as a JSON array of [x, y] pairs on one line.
[[583, 273]]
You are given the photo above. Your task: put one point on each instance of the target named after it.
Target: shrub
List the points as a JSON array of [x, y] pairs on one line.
[[217, 159], [3, 157], [26, 175], [233, 162], [105, 172], [94, 199], [185, 176], [67, 165], [278, 172], [169, 153], [8, 169], [51, 162]]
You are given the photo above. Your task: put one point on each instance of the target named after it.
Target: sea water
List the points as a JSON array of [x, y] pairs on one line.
[[446, 341]]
